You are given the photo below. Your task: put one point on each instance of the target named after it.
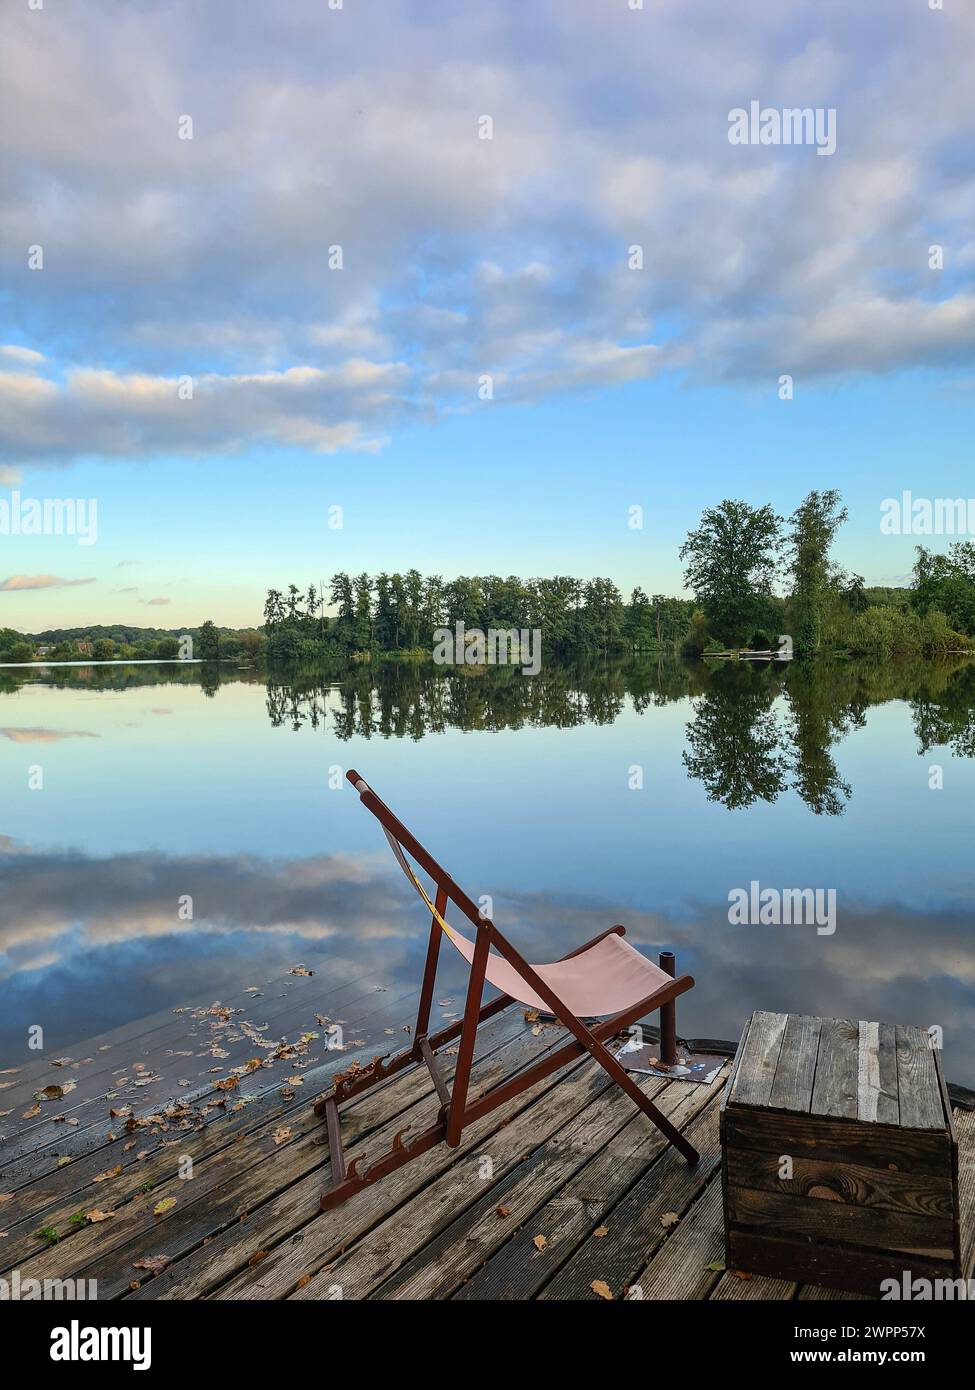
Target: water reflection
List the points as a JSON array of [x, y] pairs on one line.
[[228, 790], [757, 730]]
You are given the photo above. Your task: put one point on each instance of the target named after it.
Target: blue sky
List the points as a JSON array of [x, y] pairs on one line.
[[208, 258]]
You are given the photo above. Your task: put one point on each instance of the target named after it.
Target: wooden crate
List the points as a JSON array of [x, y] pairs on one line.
[[861, 1111]]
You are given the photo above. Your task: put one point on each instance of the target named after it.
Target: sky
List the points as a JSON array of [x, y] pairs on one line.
[[488, 383]]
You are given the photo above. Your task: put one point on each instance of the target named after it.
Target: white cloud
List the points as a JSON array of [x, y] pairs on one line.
[[461, 256]]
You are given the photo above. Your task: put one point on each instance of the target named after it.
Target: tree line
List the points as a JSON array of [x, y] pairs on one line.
[[736, 560], [398, 613]]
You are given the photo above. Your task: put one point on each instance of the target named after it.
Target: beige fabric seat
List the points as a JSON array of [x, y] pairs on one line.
[[606, 978]]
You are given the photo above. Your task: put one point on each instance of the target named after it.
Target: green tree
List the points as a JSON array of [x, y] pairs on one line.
[[732, 561], [947, 583], [340, 594], [814, 523], [208, 642], [103, 649], [362, 623]]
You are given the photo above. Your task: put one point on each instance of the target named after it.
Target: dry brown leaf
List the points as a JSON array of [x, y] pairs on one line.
[[29, 1114], [305, 1279], [669, 1218], [503, 1211], [257, 1257], [601, 1231], [228, 1083], [540, 1242], [154, 1263], [281, 1134], [300, 970], [741, 1274], [96, 1215], [602, 1288], [111, 1173]]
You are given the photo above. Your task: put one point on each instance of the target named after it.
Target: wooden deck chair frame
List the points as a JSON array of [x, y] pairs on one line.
[[455, 1111]]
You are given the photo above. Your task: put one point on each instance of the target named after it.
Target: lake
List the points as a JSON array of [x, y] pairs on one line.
[[644, 793]]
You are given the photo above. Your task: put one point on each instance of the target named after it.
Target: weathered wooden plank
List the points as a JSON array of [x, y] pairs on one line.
[[743, 1287], [150, 1037], [635, 1227], [679, 1269], [917, 1081], [877, 1097], [274, 1216], [835, 1085], [30, 1156], [324, 1238], [965, 1130], [810, 1218], [559, 1192], [529, 1159], [52, 1200], [753, 1080], [223, 1184], [820, 1265], [876, 1146], [816, 1293], [917, 1194], [796, 1066], [216, 1046], [519, 1270]]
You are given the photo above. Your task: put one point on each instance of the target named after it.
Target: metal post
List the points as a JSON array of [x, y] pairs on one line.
[[668, 1015]]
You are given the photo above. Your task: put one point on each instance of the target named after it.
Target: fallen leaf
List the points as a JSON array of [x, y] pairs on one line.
[[669, 1218], [257, 1257], [282, 1133], [111, 1173], [601, 1231], [228, 1083], [540, 1242], [602, 1288], [55, 1092], [63, 1160], [154, 1263], [741, 1274], [165, 1205], [305, 1279], [97, 1215], [29, 1114], [503, 1211], [716, 1266], [300, 970]]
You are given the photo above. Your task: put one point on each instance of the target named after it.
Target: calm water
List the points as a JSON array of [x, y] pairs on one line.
[[160, 782]]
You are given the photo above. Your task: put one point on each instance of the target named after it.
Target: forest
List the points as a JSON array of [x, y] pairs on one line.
[[754, 576]]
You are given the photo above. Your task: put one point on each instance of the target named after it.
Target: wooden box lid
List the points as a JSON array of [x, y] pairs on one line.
[[872, 1073]]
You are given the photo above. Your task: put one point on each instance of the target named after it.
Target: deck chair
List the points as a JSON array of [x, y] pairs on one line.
[[604, 979]]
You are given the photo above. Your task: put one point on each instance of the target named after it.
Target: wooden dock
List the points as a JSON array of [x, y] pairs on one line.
[[210, 1189]]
